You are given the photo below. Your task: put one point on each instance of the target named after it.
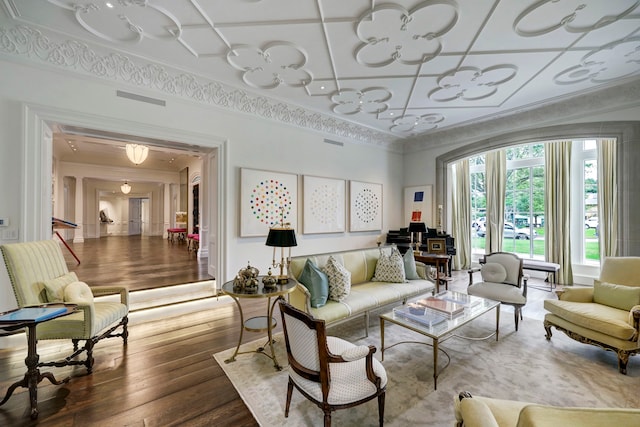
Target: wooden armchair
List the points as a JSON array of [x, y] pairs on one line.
[[39, 275], [329, 371]]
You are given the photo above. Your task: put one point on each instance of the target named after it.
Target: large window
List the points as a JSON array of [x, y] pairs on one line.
[[524, 230]]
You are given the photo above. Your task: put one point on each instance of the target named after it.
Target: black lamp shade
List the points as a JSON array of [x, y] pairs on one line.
[[281, 238], [417, 227]]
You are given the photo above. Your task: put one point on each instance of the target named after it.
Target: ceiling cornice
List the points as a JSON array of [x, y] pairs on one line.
[[50, 49], [597, 102]]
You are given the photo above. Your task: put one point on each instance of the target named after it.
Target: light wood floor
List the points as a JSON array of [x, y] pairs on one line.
[[166, 376]]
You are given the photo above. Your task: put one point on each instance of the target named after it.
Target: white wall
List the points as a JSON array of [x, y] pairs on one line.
[[249, 142]]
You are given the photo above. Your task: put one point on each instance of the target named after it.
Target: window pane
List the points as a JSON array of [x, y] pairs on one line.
[[591, 240]]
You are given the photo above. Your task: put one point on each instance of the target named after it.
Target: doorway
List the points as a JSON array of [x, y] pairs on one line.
[[37, 173]]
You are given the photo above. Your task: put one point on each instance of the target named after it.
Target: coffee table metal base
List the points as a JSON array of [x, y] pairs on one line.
[[435, 341]]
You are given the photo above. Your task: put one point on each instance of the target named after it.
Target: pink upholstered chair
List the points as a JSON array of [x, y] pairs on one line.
[[329, 371]]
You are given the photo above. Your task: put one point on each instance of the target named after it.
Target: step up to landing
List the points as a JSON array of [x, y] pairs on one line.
[[155, 304]]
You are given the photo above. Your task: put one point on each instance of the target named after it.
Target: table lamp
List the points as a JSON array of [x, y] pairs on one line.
[[417, 227], [282, 236]]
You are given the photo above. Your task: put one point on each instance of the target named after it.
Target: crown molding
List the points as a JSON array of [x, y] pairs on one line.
[[50, 49], [564, 111]]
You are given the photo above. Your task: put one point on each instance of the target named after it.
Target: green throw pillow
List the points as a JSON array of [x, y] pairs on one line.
[[410, 265], [55, 287], [617, 296], [316, 282]]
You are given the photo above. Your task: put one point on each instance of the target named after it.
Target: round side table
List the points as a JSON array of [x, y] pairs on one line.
[[258, 323]]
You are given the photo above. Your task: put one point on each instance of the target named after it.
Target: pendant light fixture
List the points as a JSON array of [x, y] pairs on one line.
[[137, 153], [125, 188]]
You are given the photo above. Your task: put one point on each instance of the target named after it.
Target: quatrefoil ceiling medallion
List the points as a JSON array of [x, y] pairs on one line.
[[610, 62], [410, 124], [371, 101], [120, 21], [390, 33], [471, 83], [575, 16], [276, 64]]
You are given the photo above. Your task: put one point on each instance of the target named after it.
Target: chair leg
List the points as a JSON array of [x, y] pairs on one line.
[[89, 362], [327, 418], [289, 392], [516, 313], [125, 330], [381, 409]]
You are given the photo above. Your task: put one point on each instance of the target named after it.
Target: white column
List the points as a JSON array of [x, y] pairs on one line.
[[78, 236], [167, 208]]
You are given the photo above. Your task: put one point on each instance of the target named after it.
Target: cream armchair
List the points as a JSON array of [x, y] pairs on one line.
[[606, 315], [39, 275], [479, 411], [502, 280]]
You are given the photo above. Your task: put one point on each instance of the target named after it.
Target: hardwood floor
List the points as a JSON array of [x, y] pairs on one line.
[[136, 262], [166, 376]]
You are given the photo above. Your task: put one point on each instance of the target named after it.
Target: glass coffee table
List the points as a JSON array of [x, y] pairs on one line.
[[437, 325]]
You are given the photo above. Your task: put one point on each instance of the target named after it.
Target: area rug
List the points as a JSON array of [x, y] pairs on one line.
[[522, 366]]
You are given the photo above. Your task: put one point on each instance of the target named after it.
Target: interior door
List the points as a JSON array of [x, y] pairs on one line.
[[135, 217]]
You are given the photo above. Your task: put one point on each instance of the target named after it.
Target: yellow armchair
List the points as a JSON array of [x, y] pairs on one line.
[[39, 275], [606, 315]]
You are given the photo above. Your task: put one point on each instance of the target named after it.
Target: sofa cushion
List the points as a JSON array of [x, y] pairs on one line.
[[477, 414], [410, 270], [317, 282], [390, 268], [55, 287], [597, 317], [339, 279], [617, 296], [493, 272]]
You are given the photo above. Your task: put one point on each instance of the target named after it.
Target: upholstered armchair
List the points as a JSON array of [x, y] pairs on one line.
[[606, 315], [329, 371], [39, 275], [502, 280]]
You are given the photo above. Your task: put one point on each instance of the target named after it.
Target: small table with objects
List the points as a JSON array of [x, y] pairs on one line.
[[441, 262], [439, 327], [25, 318], [258, 323]]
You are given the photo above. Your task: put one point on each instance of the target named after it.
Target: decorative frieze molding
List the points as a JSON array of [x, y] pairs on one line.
[[29, 43]]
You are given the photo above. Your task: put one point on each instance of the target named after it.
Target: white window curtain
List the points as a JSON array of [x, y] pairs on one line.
[[607, 199], [496, 183], [461, 215], [557, 208]]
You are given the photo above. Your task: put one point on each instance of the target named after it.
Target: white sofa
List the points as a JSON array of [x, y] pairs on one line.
[[365, 294]]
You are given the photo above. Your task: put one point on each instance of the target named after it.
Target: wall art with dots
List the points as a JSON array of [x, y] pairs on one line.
[[365, 206], [324, 202], [264, 197]]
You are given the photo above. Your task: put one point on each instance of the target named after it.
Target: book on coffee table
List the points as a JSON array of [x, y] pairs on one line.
[[419, 314], [448, 308]]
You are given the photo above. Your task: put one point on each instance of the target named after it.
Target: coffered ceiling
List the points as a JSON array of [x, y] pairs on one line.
[[380, 72]]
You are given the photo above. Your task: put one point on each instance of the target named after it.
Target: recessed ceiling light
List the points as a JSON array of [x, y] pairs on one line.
[[321, 87], [109, 5]]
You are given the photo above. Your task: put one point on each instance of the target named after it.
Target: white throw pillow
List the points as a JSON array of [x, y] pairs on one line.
[[390, 268], [78, 293], [339, 279], [493, 272]]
